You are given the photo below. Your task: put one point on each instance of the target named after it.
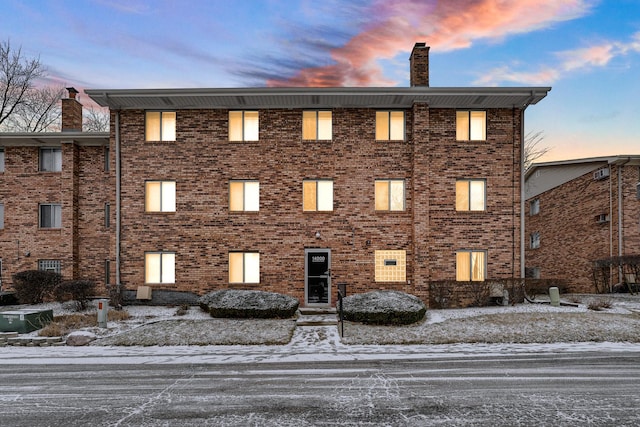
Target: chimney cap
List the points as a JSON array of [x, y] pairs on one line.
[[72, 92]]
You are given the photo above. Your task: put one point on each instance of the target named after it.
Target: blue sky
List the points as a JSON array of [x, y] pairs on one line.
[[587, 50]]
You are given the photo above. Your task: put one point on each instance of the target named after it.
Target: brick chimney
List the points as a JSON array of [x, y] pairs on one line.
[[419, 65], [71, 112]]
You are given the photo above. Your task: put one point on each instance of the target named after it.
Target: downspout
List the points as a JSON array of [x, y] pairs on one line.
[[522, 195], [620, 216], [118, 207]]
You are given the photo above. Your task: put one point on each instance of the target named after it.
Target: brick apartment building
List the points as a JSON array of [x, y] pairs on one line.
[[580, 211], [293, 189]]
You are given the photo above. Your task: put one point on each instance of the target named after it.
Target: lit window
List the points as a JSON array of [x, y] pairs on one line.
[[1, 215], [160, 196], [471, 125], [317, 195], [160, 126], [471, 266], [534, 240], [1, 159], [50, 159], [244, 196], [534, 207], [53, 265], [391, 266], [316, 125], [244, 267], [243, 125], [470, 194], [50, 216], [159, 267], [390, 195], [390, 125]]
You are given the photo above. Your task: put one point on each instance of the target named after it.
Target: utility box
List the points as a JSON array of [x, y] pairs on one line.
[[143, 292], [554, 296], [103, 311], [24, 320]]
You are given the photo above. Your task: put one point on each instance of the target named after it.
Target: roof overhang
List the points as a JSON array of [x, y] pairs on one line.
[[264, 98], [628, 159], [39, 139]]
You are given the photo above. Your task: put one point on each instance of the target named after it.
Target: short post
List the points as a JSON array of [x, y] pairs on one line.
[[554, 296], [342, 292], [103, 310]]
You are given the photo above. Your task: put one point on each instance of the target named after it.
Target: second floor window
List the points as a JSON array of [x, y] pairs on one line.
[[534, 240], [244, 196], [160, 196], [243, 125], [50, 159], [160, 126], [50, 216], [471, 125], [389, 195], [316, 125], [390, 125], [471, 195], [534, 207], [317, 195]]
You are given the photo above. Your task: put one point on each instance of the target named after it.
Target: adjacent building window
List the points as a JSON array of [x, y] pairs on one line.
[[1, 215], [471, 195], [244, 267], [107, 215], [391, 266], [160, 126], [390, 195], [316, 125], [317, 195], [160, 196], [534, 207], [159, 267], [471, 125], [1, 159], [50, 159], [471, 266], [244, 196], [50, 265], [50, 215], [390, 125], [243, 126], [534, 240]]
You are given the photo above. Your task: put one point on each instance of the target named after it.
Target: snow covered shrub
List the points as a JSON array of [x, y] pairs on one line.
[[244, 304], [33, 286], [384, 308], [79, 291]]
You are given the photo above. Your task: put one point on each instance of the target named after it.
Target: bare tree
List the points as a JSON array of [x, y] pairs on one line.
[[533, 149], [17, 77], [96, 120], [39, 112]]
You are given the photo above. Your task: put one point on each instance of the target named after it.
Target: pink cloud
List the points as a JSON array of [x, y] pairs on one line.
[[444, 25]]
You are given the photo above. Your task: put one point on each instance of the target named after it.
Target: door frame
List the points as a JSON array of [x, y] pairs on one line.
[[306, 276]]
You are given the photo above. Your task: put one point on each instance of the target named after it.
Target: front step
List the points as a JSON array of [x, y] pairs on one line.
[[317, 316], [311, 311]]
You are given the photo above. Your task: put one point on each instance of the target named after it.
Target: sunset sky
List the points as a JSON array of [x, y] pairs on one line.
[[587, 50]]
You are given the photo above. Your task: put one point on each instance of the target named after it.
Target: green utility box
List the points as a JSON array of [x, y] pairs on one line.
[[24, 320]]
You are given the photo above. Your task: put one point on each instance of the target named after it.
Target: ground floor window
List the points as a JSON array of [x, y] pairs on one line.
[[159, 267], [391, 266], [244, 267], [471, 265], [50, 265]]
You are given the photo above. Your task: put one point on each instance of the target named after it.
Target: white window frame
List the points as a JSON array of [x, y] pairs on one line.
[[166, 131], [534, 207], [246, 127], [322, 199], [392, 185], [50, 159], [319, 125], [55, 211], [467, 122], [468, 199], [387, 123], [166, 195], [246, 259], [534, 240], [471, 253], [248, 193], [165, 261]]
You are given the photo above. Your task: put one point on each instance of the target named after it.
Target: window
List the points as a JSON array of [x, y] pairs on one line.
[[1, 215], [534, 240], [389, 195], [107, 272], [534, 207], [316, 125], [244, 267], [50, 216], [160, 196], [471, 125], [159, 267], [160, 126], [107, 215], [532, 272], [391, 266], [470, 195], [390, 125], [244, 196], [50, 159], [50, 265], [243, 126], [317, 195], [1, 159], [107, 164], [471, 266]]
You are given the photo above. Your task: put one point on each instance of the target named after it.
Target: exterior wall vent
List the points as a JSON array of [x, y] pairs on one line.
[[601, 174], [602, 218]]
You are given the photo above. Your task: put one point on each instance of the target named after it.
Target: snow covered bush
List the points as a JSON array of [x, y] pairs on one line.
[[384, 308], [236, 303]]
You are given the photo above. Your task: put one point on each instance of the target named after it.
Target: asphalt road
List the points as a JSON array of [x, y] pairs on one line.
[[546, 389]]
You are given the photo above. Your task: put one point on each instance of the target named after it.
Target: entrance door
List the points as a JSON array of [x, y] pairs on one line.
[[317, 268]]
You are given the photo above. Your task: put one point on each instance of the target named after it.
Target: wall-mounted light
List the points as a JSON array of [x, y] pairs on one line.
[[317, 234]]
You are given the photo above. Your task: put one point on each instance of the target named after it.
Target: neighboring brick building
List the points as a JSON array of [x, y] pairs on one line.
[[283, 189], [580, 211]]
